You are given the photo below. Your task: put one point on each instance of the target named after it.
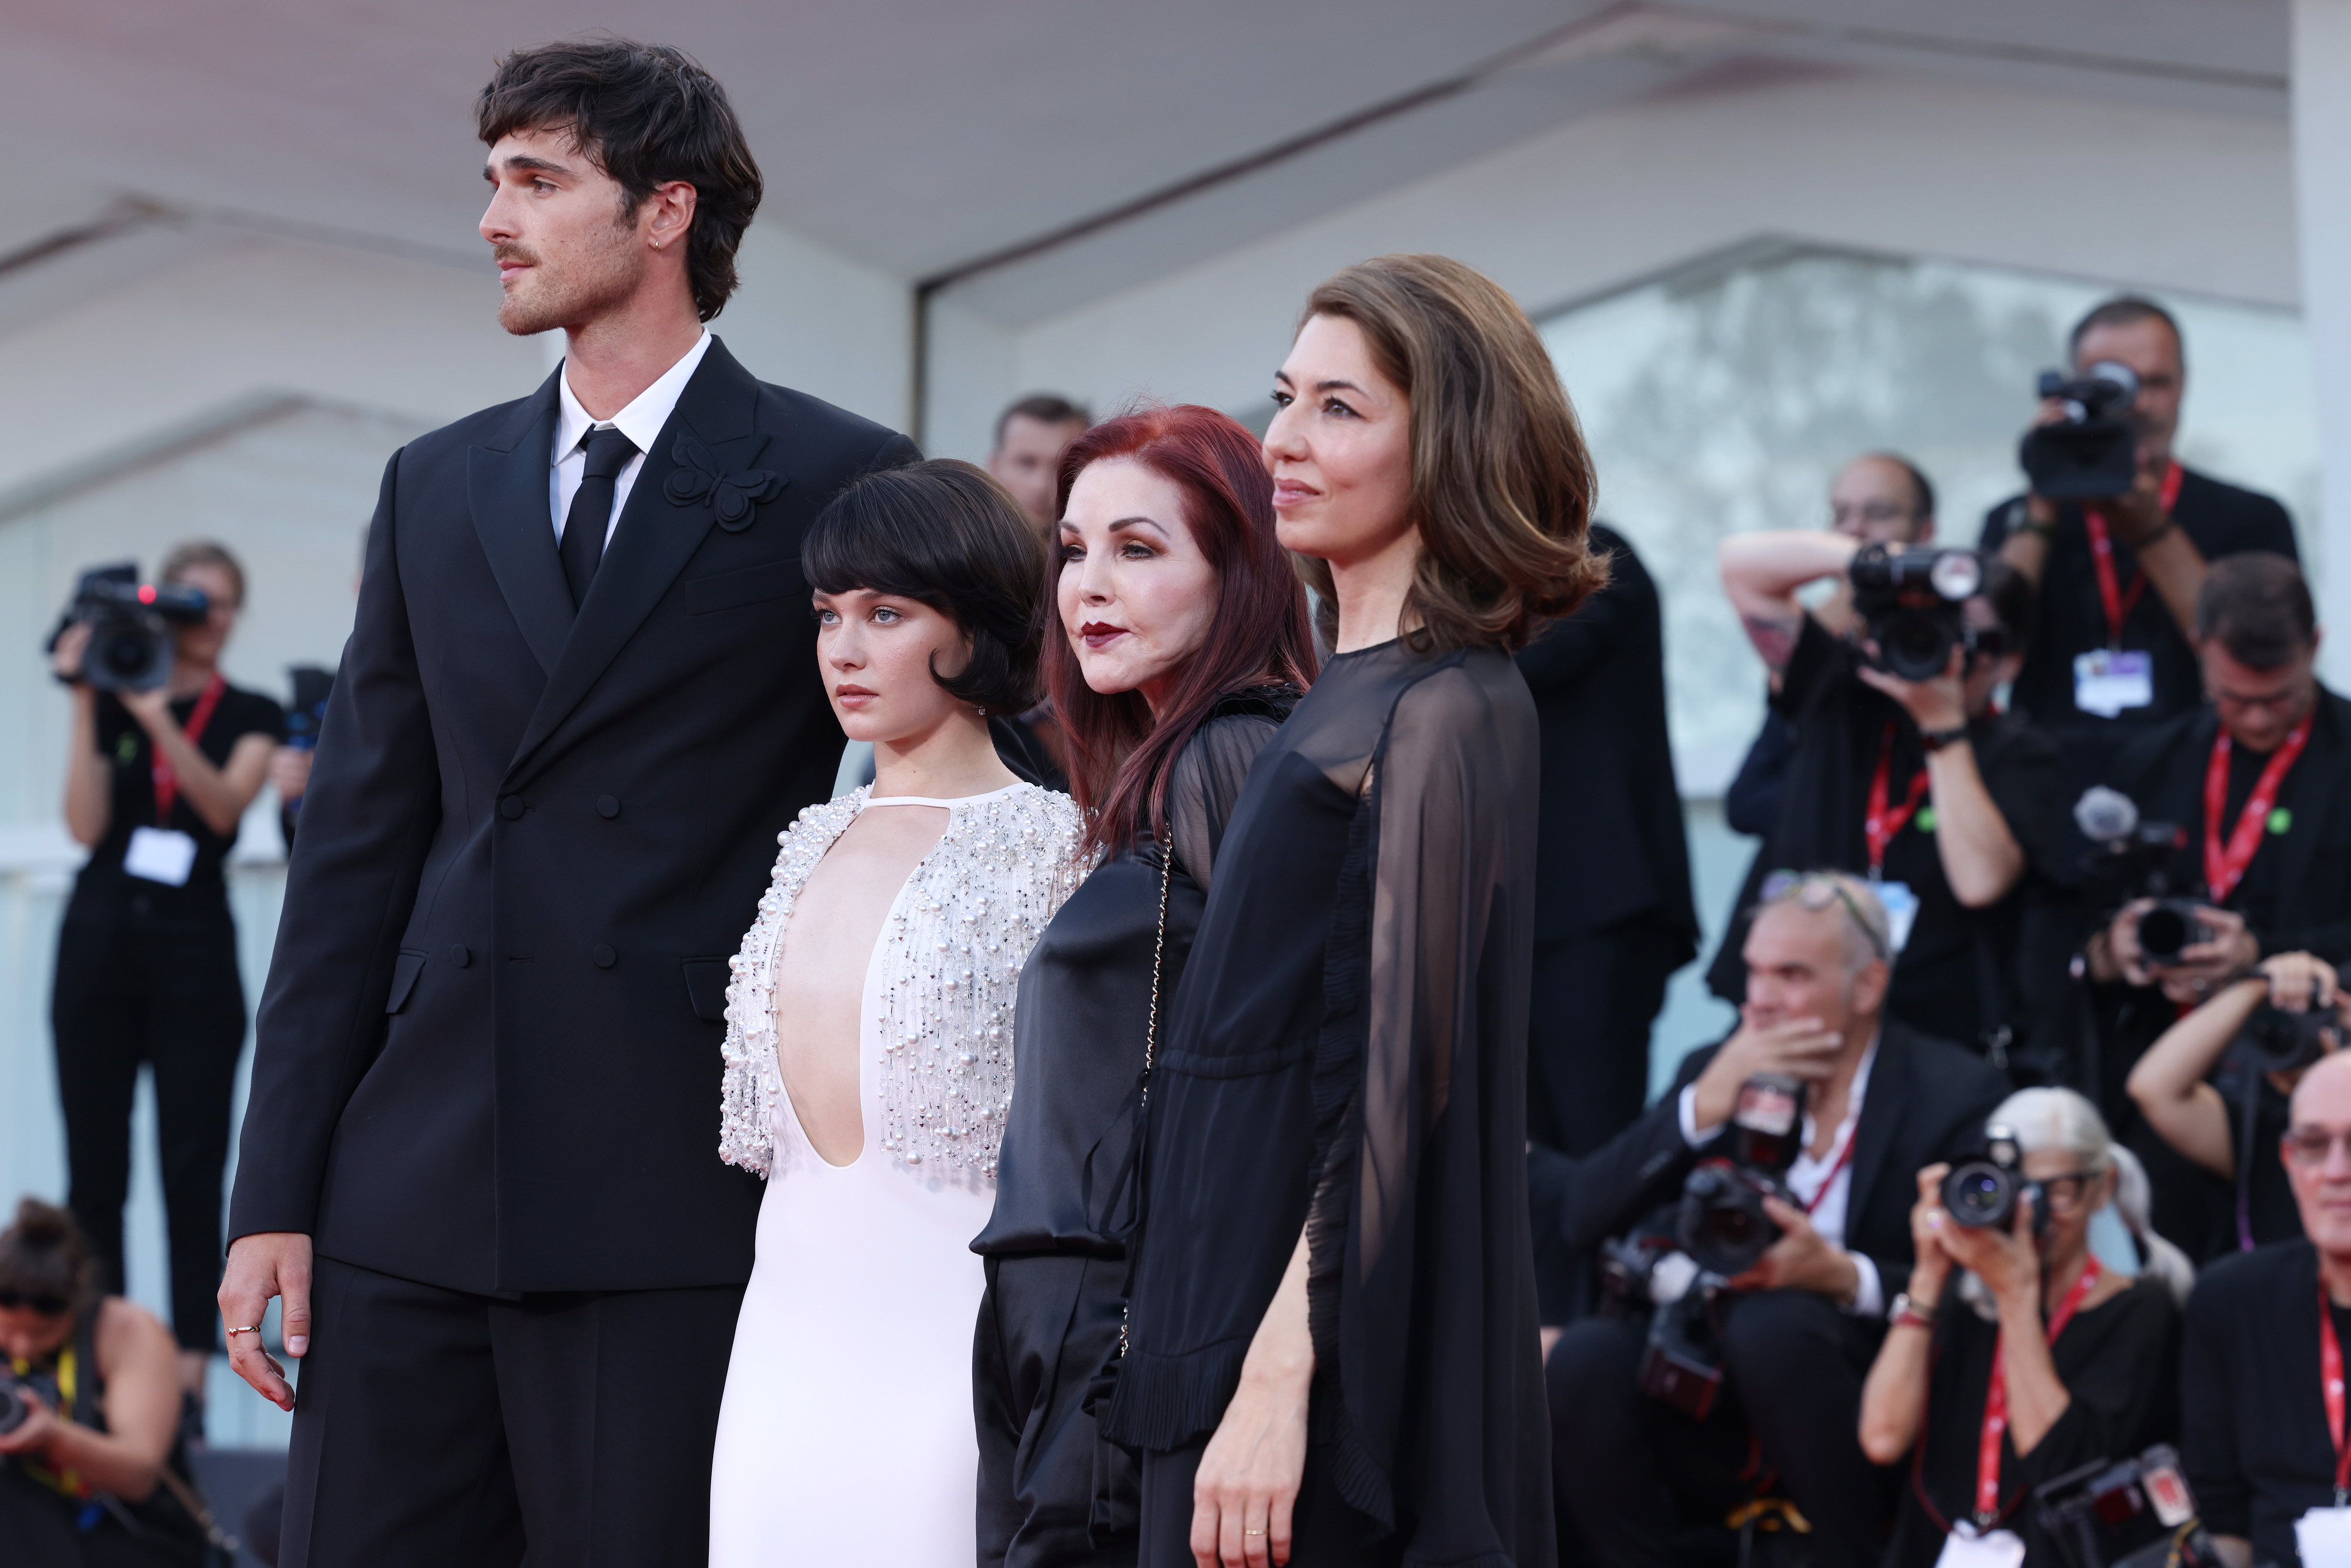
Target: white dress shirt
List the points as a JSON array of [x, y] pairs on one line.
[[1825, 1183], [641, 421]]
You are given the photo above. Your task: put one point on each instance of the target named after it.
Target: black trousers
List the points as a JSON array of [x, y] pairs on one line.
[[1633, 1474], [449, 1430], [1594, 999], [147, 975], [1325, 1530], [1052, 1492]]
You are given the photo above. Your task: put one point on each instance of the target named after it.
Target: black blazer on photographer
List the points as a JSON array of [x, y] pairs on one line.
[[488, 1054], [1928, 1101]]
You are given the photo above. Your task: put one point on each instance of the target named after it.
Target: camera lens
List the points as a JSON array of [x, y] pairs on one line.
[[2162, 932]]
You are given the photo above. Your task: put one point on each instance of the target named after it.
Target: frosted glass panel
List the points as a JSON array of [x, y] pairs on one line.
[[1727, 399]]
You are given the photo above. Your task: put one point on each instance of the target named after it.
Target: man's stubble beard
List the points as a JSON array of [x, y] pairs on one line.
[[578, 293]]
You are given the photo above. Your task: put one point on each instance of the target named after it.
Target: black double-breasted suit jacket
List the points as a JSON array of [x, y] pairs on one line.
[[488, 1052]]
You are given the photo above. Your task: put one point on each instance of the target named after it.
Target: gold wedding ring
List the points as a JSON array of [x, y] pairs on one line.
[[1252, 1532], [249, 1328]]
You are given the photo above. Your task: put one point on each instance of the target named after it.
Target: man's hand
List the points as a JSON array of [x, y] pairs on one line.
[[268, 1263], [151, 707], [1801, 1260], [65, 659], [2137, 514], [1800, 1048], [1938, 704], [289, 772], [2204, 967], [2298, 982]]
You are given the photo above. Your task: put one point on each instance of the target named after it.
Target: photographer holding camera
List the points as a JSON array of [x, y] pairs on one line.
[[2015, 1357], [165, 755], [2230, 841], [1879, 498], [1902, 768], [2261, 1376], [2112, 513], [1647, 1442], [91, 1469], [2225, 1108]]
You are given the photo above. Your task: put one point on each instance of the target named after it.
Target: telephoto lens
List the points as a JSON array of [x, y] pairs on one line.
[[2169, 929]]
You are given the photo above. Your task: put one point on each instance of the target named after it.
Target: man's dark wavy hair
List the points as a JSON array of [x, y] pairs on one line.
[[647, 114]]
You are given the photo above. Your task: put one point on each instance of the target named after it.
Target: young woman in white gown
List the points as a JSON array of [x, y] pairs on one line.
[[869, 1040]]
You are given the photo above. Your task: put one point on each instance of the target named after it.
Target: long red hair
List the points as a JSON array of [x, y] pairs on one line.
[[1118, 758]]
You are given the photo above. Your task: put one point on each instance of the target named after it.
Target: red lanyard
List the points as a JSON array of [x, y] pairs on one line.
[[1995, 1421], [1883, 823], [2224, 864], [2118, 604], [167, 783], [2330, 1384], [1844, 1158]]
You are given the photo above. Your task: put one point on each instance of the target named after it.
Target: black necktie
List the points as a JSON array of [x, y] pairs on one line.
[[584, 526]]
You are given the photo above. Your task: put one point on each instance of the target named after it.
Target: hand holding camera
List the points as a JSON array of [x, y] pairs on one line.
[[1979, 1216], [27, 1424]]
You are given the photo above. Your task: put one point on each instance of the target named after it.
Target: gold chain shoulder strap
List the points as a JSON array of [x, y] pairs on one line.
[[1151, 1033]]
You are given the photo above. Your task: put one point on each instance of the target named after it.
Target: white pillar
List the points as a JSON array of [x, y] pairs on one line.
[[2322, 158]]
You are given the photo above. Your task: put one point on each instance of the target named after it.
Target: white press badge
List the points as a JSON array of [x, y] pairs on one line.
[[2108, 680], [1901, 907], [2323, 1538], [1963, 1548], [160, 854]]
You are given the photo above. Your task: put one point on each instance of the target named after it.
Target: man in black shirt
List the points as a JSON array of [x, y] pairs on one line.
[[2264, 1438], [1951, 806], [2117, 580], [2272, 867]]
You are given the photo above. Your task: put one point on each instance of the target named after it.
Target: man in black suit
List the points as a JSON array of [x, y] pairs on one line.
[[1614, 917], [1799, 1330], [579, 703]]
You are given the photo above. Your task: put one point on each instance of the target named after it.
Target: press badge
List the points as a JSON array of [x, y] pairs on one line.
[[2323, 1538], [1963, 1548], [1901, 907], [2108, 680], [160, 854]]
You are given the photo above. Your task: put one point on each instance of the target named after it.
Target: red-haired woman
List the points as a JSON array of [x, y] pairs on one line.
[[1186, 641]]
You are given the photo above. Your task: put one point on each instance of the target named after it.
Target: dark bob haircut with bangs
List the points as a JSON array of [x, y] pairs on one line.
[[944, 534], [647, 114]]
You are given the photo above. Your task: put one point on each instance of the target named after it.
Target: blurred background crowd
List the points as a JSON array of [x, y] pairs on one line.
[[1802, 265]]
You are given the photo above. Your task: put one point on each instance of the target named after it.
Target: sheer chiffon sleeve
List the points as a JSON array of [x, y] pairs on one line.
[[1420, 1288], [1205, 783]]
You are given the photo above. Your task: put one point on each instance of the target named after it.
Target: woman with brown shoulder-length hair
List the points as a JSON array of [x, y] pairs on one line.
[[1180, 644], [1333, 1340]]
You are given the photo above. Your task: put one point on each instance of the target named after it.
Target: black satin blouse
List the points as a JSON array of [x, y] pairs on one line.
[[1348, 1057], [1065, 1179]]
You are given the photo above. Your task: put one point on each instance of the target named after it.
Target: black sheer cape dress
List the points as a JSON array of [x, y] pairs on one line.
[[1051, 1491], [1348, 1057]]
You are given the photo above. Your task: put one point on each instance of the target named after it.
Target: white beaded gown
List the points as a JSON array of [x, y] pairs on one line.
[[846, 1432]]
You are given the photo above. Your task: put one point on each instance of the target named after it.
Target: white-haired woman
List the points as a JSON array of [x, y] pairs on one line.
[[2023, 1326]]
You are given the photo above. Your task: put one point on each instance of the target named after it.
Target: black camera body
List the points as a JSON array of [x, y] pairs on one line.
[[2126, 1513], [2094, 452], [1910, 603], [131, 626], [2133, 859], [1983, 1192], [1720, 1221], [1681, 1358], [2277, 1039]]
